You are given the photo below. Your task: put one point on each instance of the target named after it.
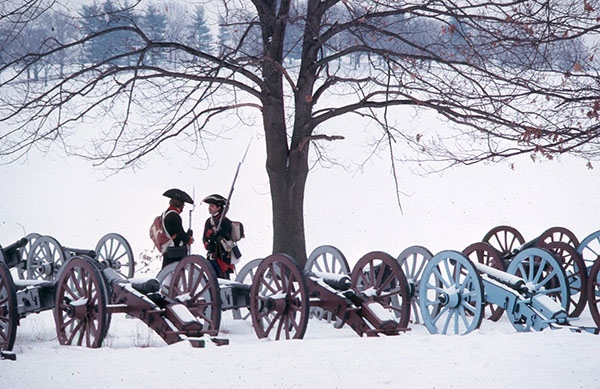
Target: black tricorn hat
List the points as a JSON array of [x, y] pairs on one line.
[[215, 199], [178, 194]]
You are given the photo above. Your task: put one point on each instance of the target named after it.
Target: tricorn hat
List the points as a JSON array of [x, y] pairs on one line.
[[178, 194], [215, 199]]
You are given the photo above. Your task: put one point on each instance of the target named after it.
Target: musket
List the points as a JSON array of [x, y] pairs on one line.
[[193, 205], [192, 210], [237, 171]]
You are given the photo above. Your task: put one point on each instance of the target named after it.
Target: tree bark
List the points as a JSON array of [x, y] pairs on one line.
[[287, 195]]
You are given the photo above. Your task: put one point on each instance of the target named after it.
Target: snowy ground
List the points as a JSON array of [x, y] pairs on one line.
[[494, 356]]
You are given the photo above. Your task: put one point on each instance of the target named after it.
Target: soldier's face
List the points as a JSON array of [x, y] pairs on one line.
[[212, 209]]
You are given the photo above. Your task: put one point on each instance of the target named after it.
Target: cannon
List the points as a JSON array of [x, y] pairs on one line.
[[230, 295], [88, 292], [323, 258], [46, 255], [245, 276], [558, 240], [326, 259], [373, 300], [533, 292], [19, 298]]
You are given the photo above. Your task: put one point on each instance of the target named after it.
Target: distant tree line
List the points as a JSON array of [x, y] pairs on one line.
[[164, 22], [175, 22]]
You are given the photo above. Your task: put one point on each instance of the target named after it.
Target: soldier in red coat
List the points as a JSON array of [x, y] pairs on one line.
[[215, 232]]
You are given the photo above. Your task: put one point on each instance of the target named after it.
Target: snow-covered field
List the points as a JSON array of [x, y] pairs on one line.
[[494, 356], [354, 211]]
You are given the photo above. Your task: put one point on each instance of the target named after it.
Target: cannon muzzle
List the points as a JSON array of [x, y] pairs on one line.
[[17, 245]]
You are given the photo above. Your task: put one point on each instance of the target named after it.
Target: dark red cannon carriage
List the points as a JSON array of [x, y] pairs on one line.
[[373, 300], [86, 293]]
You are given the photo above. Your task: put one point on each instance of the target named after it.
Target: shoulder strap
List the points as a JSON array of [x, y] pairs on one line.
[[212, 223], [162, 219]]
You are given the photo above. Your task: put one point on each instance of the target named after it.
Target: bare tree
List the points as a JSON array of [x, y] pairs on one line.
[[489, 68]]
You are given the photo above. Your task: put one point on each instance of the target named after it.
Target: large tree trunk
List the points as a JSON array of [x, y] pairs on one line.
[[287, 195], [287, 172]]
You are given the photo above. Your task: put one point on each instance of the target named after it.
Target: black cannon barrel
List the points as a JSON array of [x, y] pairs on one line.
[[142, 285], [87, 253], [340, 282], [148, 285], [17, 245], [10, 254]]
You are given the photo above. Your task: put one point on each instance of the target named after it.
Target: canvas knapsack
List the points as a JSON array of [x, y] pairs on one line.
[[237, 231], [159, 235]]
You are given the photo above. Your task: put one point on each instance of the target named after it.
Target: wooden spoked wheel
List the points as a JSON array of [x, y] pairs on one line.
[[278, 299], [558, 234], [80, 311], [44, 259], [380, 278], [245, 276], [589, 249], [23, 253], [114, 250], [412, 261], [9, 318], [504, 239], [165, 277], [485, 254], [326, 259], [542, 273], [194, 283], [576, 273], [455, 307], [593, 293]]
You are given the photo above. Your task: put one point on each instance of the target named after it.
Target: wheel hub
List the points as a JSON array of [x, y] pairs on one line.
[[412, 288], [47, 268], [78, 308], [277, 304], [450, 297]]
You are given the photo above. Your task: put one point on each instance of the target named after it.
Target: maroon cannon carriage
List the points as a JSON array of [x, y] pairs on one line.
[[373, 300], [86, 293]]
